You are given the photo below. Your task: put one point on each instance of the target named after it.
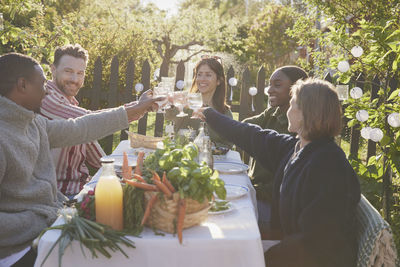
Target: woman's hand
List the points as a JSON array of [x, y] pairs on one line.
[[199, 114]]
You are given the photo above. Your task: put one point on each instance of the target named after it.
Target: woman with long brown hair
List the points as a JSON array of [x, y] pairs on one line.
[[209, 80]]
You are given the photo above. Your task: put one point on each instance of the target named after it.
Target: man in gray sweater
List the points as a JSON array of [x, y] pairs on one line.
[[29, 199]]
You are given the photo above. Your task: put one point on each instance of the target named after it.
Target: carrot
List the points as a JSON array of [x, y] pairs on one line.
[[147, 187], [140, 178], [139, 163], [125, 167], [167, 183], [181, 218], [155, 175], [150, 204], [163, 188]]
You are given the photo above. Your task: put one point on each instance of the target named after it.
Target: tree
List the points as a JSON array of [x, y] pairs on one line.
[[193, 29], [268, 43]]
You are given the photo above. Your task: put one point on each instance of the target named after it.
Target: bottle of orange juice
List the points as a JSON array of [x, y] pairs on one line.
[[108, 197]]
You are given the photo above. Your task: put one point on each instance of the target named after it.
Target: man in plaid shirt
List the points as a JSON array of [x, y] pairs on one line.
[[68, 74]]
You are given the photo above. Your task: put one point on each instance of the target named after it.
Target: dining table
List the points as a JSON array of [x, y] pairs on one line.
[[230, 238]]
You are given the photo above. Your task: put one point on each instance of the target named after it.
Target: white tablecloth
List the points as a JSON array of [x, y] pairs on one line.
[[231, 239]]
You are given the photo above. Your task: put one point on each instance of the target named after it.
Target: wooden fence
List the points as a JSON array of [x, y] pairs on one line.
[[97, 97]]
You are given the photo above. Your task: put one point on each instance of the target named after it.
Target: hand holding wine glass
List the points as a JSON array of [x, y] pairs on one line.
[[195, 101]]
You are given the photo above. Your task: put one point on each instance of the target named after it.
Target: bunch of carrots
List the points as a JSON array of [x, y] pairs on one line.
[[160, 185]]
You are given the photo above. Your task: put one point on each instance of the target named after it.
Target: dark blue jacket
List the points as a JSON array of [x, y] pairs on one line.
[[315, 195]]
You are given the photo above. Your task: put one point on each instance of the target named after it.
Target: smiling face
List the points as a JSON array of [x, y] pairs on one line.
[[69, 74], [279, 90], [206, 80]]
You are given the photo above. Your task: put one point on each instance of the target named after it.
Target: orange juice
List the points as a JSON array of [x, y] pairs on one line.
[[108, 198]]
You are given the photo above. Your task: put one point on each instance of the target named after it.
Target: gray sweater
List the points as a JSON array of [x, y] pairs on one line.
[[29, 199]]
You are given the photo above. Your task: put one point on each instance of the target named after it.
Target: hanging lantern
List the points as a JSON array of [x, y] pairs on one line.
[[356, 92], [180, 84], [357, 51], [376, 134], [139, 87], [252, 92], [365, 132], [232, 81], [362, 115], [394, 120], [343, 66]]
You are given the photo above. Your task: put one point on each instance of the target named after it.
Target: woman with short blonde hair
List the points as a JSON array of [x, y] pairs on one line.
[[315, 191]]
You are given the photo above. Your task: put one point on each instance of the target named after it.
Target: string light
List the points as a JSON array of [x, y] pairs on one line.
[[232, 81], [365, 132], [343, 66], [394, 120], [139, 87], [376, 134], [180, 84], [357, 51], [362, 115], [356, 92]]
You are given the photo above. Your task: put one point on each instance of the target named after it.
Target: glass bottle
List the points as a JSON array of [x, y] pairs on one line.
[[108, 197], [205, 153], [198, 141]]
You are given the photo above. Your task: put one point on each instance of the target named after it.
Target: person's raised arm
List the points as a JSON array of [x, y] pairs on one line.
[[267, 146], [97, 125]]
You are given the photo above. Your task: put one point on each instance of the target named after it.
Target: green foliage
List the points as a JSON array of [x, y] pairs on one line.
[[268, 43]]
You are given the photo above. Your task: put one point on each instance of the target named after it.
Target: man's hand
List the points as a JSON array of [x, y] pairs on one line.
[[146, 103]]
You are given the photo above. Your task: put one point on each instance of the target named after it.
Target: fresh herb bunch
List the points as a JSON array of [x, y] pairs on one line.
[[94, 236], [133, 209], [191, 179]]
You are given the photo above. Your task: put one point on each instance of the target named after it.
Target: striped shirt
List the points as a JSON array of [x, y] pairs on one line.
[[70, 162]]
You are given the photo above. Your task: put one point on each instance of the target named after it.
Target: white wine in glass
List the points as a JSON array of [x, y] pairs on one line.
[[195, 101], [180, 102]]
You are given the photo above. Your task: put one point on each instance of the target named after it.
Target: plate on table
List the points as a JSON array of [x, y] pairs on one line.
[[220, 207], [118, 160], [230, 167], [234, 191]]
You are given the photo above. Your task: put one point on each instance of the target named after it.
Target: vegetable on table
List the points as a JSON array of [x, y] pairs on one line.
[[150, 204], [181, 218]]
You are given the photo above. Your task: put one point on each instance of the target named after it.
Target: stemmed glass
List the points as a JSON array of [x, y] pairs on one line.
[[195, 101], [180, 99], [169, 84], [161, 91]]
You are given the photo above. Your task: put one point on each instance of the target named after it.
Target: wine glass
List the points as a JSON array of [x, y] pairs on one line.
[[195, 101], [160, 91], [180, 101]]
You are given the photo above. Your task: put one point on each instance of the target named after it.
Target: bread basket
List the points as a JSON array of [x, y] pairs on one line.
[[139, 140]]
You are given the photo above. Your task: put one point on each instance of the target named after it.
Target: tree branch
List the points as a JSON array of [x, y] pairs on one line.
[[189, 57], [175, 48]]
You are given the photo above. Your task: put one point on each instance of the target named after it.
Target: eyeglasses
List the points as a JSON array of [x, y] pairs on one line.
[[217, 58]]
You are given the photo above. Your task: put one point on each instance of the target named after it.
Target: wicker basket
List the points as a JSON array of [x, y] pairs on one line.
[[164, 213], [139, 140]]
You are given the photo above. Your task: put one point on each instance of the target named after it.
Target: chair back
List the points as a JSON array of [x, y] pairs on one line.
[[374, 238]]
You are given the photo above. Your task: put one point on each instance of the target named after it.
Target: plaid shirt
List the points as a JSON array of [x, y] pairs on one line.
[[71, 169]]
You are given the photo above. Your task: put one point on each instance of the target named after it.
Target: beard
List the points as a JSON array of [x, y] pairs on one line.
[[63, 86]]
